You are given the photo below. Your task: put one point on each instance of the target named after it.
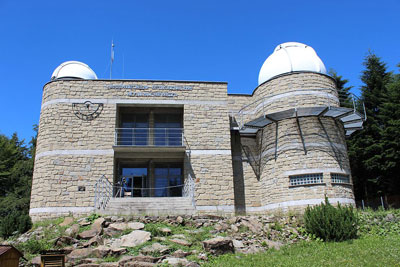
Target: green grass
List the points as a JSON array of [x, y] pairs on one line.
[[366, 251]]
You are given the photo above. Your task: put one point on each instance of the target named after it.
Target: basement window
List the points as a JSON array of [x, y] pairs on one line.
[[306, 179], [340, 178]]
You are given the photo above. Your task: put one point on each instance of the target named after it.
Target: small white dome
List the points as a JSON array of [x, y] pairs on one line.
[[289, 57], [73, 69]]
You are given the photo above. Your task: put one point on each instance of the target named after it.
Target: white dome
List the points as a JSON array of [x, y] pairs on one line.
[[73, 69], [289, 57]]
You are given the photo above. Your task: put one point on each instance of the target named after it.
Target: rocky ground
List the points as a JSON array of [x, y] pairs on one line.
[[149, 241]]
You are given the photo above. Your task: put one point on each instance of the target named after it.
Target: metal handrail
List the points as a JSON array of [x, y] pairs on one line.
[[103, 191], [170, 137]]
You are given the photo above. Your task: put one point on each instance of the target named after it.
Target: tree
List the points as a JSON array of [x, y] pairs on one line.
[[16, 170], [366, 147], [343, 90]]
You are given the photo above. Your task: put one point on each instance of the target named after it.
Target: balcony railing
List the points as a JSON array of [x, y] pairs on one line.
[[163, 137]]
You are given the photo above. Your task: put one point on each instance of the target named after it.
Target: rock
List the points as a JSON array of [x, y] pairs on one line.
[[118, 251], [181, 242], [192, 264], [218, 245], [138, 264], [72, 231], [80, 253], [124, 260], [84, 223], [89, 260], [98, 224], [88, 234], [254, 225], [179, 220], [274, 244], [102, 251], [237, 244], [389, 217], [36, 262], [176, 261], [155, 248], [202, 256], [234, 228], [252, 249], [165, 231], [88, 265], [142, 258], [94, 241], [133, 239], [109, 264], [125, 226], [180, 254], [110, 232], [67, 221], [64, 240]]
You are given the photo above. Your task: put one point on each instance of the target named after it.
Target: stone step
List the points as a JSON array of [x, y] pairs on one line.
[[149, 206]]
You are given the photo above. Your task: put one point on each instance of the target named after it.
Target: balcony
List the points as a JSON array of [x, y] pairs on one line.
[[149, 140]]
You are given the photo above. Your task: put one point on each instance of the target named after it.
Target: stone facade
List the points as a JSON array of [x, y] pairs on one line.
[[73, 153]]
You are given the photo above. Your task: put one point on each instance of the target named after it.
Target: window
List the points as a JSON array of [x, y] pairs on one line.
[[340, 178], [305, 179], [168, 180], [168, 129], [134, 130]]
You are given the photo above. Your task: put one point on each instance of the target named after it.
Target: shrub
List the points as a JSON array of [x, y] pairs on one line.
[[16, 222], [331, 223]]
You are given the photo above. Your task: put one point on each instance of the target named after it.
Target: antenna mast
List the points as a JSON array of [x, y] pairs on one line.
[[112, 57]]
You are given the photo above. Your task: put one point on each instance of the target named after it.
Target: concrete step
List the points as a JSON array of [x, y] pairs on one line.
[[149, 206]]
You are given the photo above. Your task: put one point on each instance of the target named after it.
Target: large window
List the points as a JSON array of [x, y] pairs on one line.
[[340, 178], [168, 129], [134, 130], [168, 180]]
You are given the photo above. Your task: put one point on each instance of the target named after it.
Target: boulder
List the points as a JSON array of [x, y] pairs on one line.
[[94, 241], [102, 251], [88, 234], [165, 231], [124, 260], [72, 231], [67, 221], [219, 245], [274, 244], [155, 248], [88, 265], [179, 220], [181, 242], [79, 253], [139, 264], [65, 240], [133, 239], [98, 224], [180, 254], [237, 244], [176, 261], [109, 264], [118, 251], [125, 226]]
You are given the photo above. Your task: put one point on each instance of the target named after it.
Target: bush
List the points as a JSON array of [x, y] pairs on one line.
[[16, 222], [331, 223]]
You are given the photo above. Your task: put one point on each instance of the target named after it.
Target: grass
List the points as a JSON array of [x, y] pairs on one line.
[[366, 251]]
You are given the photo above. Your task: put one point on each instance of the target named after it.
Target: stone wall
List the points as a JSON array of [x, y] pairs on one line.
[[72, 152]]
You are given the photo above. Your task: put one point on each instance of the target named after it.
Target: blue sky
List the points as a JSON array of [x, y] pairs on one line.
[[180, 40]]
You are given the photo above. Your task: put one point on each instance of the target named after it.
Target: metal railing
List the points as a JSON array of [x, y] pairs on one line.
[[169, 137], [103, 191]]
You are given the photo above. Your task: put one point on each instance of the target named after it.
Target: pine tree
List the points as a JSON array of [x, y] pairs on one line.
[[366, 147], [343, 90]]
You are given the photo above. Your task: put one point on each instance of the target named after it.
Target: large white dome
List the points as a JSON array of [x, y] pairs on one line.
[[289, 57], [73, 69]]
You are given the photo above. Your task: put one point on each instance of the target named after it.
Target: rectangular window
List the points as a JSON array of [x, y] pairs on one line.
[[134, 130], [340, 178], [168, 180], [305, 179], [168, 129]]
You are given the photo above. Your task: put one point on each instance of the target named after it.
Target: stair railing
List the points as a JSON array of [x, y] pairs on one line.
[[103, 191], [188, 188]]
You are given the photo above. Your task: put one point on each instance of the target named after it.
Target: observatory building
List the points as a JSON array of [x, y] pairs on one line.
[[189, 147]]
